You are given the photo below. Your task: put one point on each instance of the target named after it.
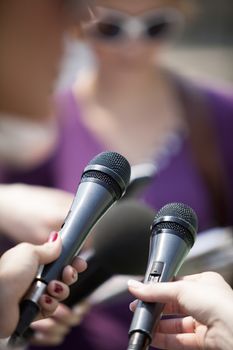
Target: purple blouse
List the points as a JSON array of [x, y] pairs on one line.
[[179, 181]]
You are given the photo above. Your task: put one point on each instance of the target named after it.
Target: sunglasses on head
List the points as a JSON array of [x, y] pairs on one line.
[[114, 25]]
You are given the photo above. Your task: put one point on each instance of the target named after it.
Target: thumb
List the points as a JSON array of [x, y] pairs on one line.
[[49, 251], [159, 292]]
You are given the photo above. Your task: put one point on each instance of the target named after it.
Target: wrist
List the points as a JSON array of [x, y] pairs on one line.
[[224, 329]]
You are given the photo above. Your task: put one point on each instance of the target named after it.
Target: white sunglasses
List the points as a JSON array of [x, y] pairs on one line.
[[112, 25]]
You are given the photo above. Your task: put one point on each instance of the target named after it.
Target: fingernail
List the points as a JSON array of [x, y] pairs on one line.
[[131, 306], [134, 284], [58, 288], [48, 300], [53, 237]]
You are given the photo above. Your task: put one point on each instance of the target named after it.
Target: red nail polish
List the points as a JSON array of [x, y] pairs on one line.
[[58, 288], [48, 300], [53, 237]]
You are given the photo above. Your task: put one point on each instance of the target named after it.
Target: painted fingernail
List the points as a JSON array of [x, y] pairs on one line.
[[58, 288], [48, 300], [134, 284], [53, 237]]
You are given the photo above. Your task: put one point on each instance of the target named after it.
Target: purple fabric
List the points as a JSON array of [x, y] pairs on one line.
[[178, 181], [106, 327]]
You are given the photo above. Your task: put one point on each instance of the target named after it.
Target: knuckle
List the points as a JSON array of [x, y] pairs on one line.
[[212, 275]]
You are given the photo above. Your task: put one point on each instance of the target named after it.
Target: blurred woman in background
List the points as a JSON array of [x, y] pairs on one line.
[[132, 104]]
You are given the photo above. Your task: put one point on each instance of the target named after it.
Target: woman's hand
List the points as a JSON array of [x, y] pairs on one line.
[[29, 213], [18, 268], [203, 305], [52, 331]]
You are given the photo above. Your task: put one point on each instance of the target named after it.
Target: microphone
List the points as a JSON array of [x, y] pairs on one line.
[[173, 233], [120, 246], [103, 182]]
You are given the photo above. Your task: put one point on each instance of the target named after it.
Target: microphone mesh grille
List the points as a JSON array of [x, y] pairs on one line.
[[181, 211], [104, 178], [179, 218], [114, 161]]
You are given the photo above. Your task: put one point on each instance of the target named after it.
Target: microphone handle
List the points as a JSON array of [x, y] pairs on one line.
[[147, 315], [141, 339], [79, 222], [90, 203], [165, 259]]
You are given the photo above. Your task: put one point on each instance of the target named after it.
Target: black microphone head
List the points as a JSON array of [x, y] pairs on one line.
[[122, 237], [110, 169], [178, 217]]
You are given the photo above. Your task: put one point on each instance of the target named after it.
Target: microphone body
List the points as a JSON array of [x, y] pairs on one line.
[[103, 182], [91, 202], [173, 235]]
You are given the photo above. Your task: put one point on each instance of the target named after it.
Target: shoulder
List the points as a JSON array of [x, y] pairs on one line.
[[207, 98], [220, 97], [217, 96]]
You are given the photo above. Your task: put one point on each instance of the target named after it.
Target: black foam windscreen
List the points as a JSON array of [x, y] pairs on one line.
[[122, 237], [120, 246], [178, 217]]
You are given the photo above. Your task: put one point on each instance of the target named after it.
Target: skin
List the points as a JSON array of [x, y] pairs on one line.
[[52, 330], [31, 45], [203, 304], [44, 210], [18, 268]]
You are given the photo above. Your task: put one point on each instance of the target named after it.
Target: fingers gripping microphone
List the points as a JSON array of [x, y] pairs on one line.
[[173, 235], [103, 182], [123, 233]]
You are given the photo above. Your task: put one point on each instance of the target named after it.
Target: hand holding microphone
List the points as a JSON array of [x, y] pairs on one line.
[[120, 246], [201, 307], [103, 182], [18, 268], [173, 235]]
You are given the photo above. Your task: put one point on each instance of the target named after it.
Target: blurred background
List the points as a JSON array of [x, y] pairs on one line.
[[207, 45], [182, 130], [204, 50]]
